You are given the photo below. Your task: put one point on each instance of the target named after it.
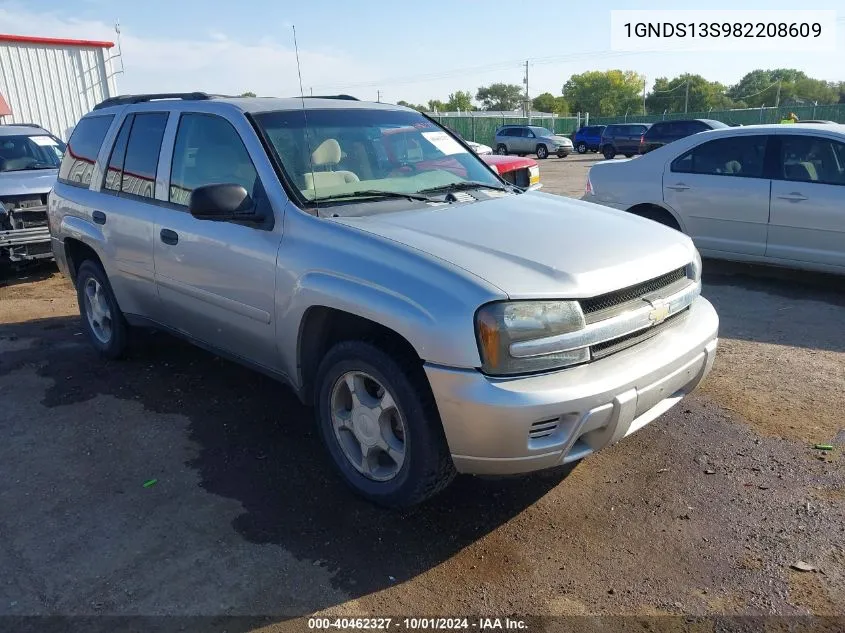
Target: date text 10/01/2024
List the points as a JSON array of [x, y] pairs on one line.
[[418, 624]]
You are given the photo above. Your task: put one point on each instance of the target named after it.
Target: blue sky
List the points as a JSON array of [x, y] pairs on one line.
[[408, 50]]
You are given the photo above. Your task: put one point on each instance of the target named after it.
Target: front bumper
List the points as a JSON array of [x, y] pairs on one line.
[[510, 426]]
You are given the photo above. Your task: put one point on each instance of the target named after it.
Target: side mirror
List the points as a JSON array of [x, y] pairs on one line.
[[221, 203]]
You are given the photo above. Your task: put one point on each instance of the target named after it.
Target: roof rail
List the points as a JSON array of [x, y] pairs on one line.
[[343, 97], [130, 99], [23, 125]]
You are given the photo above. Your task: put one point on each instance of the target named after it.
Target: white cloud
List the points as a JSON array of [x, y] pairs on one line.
[[216, 63]]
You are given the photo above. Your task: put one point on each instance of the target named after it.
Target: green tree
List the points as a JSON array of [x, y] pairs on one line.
[[460, 100], [670, 95], [604, 93], [435, 105], [499, 96], [547, 102], [248, 94], [760, 87], [420, 108]]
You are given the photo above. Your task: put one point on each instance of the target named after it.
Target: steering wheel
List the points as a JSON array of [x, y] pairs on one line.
[[404, 169]]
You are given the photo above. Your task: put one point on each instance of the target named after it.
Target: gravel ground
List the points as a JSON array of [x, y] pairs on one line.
[[703, 512]]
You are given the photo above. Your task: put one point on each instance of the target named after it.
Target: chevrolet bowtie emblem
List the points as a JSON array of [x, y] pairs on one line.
[[659, 313]]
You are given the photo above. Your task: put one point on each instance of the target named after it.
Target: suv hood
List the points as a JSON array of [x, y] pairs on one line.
[[30, 182], [536, 245]]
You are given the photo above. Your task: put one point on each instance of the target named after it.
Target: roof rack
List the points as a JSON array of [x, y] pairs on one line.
[[343, 97], [130, 99], [23, 125]]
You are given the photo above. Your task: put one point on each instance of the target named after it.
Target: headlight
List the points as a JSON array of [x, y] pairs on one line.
[[696, 265], [501, 325]]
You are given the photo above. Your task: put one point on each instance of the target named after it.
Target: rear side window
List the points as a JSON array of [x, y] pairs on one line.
[[208, 151], [82, 149], [739, 156], [142, 150]]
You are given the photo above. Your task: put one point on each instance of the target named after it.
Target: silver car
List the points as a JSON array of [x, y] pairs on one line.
[[531, 139], [438, 319], [29, 162], [761, 193]]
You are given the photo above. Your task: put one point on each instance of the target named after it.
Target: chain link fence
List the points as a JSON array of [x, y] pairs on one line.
[[481, 127]]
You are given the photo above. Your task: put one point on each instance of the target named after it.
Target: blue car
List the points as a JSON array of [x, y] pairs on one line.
[[588, 138]]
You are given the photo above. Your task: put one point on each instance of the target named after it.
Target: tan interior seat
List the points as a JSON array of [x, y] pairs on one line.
[[327, 155]]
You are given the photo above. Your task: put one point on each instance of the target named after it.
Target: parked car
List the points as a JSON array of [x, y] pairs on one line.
[[29, 162], [588, 138], [663, 132], [623, 138], [521, 171], [531, 139], [437, 318], [759, 193]]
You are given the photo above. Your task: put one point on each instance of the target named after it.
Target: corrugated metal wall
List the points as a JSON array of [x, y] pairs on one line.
[[54, 86]]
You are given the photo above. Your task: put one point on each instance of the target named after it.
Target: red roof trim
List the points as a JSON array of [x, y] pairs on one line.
[[54, 41]]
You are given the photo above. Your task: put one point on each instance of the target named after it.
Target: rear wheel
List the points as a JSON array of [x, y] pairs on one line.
[[656, 214], [380, 425], [562, 154], [608, 152], [628, 155], [102, 319], [581, 147], [542, 151], [501, 149]]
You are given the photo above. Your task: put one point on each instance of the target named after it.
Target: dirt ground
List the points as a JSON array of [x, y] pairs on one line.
[[703, 512]]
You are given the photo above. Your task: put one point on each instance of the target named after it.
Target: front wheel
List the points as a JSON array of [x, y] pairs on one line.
[[629, 155], [581, 147], [502, 149], [609, 152], [380, 425], [542, 152], [102, 319]]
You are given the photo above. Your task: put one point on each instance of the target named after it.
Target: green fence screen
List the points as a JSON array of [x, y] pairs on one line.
[[747, 116], [482, 129]]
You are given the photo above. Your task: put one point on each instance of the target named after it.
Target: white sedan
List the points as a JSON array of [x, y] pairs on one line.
[[760, 193]]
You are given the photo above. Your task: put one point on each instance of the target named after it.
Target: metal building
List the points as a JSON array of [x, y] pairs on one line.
[[53, 82]]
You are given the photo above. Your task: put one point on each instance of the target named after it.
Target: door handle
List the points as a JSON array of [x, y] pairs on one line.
[[99, 217], [169, 237], [678, 187], [793, 197]]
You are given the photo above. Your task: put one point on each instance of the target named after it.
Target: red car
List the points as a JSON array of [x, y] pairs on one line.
[[520, 171]]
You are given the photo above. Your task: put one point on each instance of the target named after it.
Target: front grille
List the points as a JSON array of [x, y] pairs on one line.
[[631, 293], [518, 177], [543, 429], [606, 348]]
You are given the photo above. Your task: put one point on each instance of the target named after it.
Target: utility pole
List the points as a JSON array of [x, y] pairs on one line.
[[378, 96], [644, 96], [526, 108], [777, 98], [686, 98]]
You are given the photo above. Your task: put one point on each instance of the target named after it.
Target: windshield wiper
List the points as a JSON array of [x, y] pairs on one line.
[[37, 166], [460, 186], [371, 194]]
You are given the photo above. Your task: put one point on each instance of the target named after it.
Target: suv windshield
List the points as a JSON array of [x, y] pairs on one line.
[[25, 152], [346, 152]]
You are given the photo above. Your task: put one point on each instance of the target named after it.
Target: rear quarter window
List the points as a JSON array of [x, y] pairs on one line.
[[82, 150]]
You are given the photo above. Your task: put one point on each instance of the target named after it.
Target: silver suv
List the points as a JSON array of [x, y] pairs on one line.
[[531, 139], [438, 319], [29, 162]]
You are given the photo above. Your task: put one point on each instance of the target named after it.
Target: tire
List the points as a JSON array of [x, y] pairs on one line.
[[102, 320], [608, 152], [629, 155], [581, 148], [542, 151], [562, 154], [426, 466], [502, 149]]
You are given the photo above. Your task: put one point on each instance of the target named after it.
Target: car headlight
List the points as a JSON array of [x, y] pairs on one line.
[[696, 265], [501, 325]]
